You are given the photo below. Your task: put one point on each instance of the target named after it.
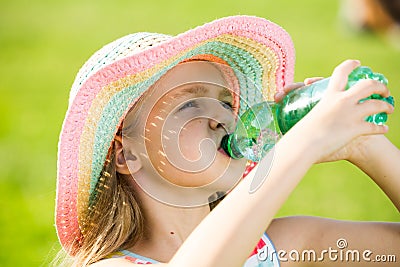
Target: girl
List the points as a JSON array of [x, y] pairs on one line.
[[140, 157]]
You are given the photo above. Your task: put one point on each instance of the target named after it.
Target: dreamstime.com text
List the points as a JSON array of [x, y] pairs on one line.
[[340, 253]]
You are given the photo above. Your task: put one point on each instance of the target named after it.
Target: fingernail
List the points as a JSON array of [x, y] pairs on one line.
[[279, 95], [386, 128]]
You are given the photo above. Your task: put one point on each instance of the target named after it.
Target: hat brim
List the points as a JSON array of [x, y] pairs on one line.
[[254, 46]]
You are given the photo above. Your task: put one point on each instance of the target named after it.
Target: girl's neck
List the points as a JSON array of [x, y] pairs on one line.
[[166, 227]]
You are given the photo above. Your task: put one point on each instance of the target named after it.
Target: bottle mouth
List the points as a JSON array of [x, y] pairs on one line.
[[224, 143], [229, 147]]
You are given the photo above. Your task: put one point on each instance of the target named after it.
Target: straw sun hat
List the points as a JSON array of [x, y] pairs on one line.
[[114, 78]]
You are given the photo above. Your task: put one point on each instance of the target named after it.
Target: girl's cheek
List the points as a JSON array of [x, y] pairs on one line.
[[190, 141], [196, 144]]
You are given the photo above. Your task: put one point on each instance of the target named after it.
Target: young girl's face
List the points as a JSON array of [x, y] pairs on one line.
[[182, 123]]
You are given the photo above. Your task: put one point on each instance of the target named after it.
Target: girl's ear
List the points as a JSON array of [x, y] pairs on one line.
[[126, 162]]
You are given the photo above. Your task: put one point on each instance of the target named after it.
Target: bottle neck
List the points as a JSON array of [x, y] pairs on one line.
[[239, 143], [228, 146]]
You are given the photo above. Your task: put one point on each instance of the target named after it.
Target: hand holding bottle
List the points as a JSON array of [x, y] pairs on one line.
[[339, 118], [353, 151], [260, 126]]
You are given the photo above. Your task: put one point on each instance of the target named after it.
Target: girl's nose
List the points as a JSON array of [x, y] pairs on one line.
[[222, 119], [214, 124]]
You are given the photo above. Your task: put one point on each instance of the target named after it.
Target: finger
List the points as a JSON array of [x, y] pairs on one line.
[[374, 106], [281, 94], [366, 88], [369, 128], [292, 86], [340, 75], [308, 81]]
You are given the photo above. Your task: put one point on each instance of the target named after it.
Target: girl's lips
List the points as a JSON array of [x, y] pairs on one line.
[[222, 151]]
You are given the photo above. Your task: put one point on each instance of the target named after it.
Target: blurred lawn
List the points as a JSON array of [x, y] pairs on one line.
[[44, 43]]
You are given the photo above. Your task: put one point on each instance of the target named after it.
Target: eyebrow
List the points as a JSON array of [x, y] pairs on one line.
[[225, 93], [199, 90], [196, 90]]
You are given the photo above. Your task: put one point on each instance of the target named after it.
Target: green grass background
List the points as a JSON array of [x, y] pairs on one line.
[[44, 43]]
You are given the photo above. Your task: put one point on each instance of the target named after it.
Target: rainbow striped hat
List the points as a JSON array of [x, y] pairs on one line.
[[118, 74]]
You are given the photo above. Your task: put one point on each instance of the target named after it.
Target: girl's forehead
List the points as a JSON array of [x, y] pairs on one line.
[[193, 72], [199, 89]]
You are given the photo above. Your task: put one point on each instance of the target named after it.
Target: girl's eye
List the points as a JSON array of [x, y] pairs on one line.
[[227, 105], [189, 104]]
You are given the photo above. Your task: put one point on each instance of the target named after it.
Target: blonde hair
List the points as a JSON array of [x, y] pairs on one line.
[[113, 221], [120, 227]]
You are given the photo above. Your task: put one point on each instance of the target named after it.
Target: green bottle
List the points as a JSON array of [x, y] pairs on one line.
[[260, 127]]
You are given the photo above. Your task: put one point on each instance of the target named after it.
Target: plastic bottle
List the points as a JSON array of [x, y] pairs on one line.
[[260, 127]]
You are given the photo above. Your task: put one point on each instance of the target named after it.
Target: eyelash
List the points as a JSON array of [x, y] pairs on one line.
[[227, 105], [193, 104], [189, 104]]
